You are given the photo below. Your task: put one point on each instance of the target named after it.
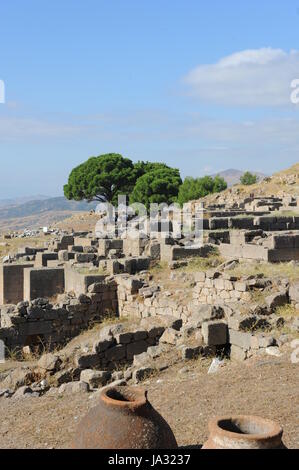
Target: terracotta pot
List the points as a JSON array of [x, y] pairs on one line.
[[244, 432], [124, 419]]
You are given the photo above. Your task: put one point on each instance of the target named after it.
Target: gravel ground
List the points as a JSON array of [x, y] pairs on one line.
[[187, 398]]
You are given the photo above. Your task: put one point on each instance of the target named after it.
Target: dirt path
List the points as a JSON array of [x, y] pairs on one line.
[[268, 387]]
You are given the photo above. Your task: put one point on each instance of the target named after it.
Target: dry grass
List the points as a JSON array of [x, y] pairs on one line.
[[82, 221], [96, 271], [204, 264], [286, 270], [287, 311], [285, 213], [194, 264], [276, 185], [12, 245]]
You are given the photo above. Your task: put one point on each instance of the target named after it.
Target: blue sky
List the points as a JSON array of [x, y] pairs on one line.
[[203, 86]]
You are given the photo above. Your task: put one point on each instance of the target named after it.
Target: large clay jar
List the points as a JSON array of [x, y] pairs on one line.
[[124, 419], [244, 432]]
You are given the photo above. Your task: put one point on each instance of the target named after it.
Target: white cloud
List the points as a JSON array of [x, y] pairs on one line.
[[257, 77], [26, 127], [261, 132]]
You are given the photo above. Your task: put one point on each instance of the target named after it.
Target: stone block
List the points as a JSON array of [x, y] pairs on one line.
[[41, 259], [44, 282], [139, 335], [124, 338], [12, 282], [215, 333], [294, 292], [102, 345], [191, 352], [135, 348], [241, 286], [276, 300], [142, 373], [88, 361], [237, 353], [116, 353], [94, 378], [240, 339], [170, 336]]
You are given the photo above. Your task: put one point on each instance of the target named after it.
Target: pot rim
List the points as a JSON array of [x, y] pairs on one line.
[[274, 429], [138, 394]]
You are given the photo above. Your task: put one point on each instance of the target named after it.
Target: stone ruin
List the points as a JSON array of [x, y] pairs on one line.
[[50, 295]]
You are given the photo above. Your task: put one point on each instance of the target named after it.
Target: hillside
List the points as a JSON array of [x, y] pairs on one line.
[[283, 183], [21, 200], [37, 213], [232, 176]]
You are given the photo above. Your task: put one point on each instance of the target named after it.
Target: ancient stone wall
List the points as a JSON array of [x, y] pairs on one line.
[[12, 282], [77, 282], [39, 321], [41, 259], [45, 282], [213, 287]]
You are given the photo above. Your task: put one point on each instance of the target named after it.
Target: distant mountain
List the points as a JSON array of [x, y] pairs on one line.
[[233, 176], [36, 207], [39, 213], [22, 200]]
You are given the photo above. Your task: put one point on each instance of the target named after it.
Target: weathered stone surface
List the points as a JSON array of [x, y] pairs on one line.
[[204, 313], [142, 373], [154, 351], [116, 353], [240, 339], [103, 344], [84, 299], [64, 376], [294, 292], [87, 360], [73, 387], [23, 391], [49, 362], [191, 352], [237, 353], [262, 341], [273, 351], [124, 338], [276, 300], [140, 334], [117, 375], [199, 276], [213, 274], [128, 374], [136, 348], [295, 325], [156, 331], [141, 359], [169, 336], [94, 378], [96, 287], [6, 393], [215, 333], [241, 286], [17, 378], [244, 323], [170, 321], [111, 330]]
